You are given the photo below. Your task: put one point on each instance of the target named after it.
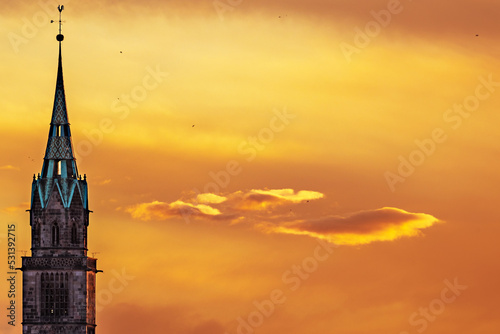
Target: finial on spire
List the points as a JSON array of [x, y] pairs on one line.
[[60, 37]]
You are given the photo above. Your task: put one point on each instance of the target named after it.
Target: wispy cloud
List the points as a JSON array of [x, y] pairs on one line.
[[359, 228], [161, 210], [208, 198], [258, 208], [12, 209], [231, 206], [257, 199], [105, 182], [9, 167]]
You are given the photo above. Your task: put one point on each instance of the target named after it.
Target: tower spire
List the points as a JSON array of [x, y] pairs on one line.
[[59, 159], [59, 168]]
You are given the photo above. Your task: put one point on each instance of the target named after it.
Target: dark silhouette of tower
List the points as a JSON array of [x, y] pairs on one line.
[[59, 277]]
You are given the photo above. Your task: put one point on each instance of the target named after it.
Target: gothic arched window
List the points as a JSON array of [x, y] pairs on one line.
[[55, 234]]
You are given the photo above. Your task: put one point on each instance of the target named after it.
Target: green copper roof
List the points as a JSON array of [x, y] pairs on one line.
[[59, 172], [59, 158]]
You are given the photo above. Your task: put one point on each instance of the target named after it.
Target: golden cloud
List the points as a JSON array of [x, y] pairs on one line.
[[21, 207], [359, 228], [105, 182], [161, 210], [257, 199], [208, 205], [9, 167], [210, 198]]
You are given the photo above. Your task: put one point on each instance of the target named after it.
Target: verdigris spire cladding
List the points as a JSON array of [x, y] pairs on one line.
[[59, 147], [59, 277], [59, 164]]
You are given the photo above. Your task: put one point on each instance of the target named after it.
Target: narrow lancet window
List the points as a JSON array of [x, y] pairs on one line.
[[55, 235]]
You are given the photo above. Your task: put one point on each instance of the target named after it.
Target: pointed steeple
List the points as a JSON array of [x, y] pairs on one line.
[[59, 159], [59, 172]]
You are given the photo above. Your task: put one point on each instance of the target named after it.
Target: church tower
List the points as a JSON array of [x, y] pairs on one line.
[[59, 277]]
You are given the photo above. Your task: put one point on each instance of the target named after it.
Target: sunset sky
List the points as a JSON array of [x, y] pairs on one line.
[[299, 167]]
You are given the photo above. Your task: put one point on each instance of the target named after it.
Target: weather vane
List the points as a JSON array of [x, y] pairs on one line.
[[59, 37]]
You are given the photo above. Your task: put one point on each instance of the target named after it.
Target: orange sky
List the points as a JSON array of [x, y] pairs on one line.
[[300, 167]]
